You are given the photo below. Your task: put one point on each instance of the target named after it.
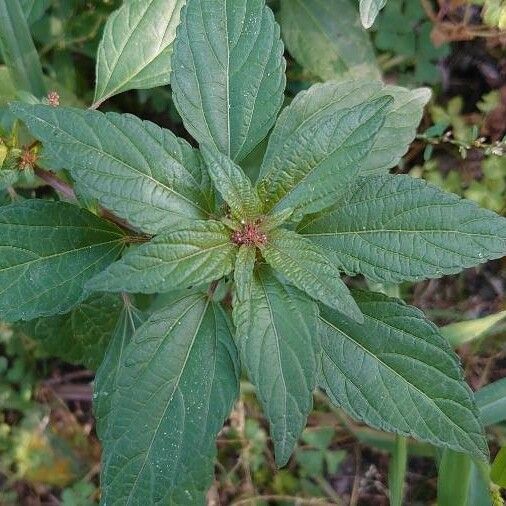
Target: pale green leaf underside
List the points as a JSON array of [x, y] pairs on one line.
[[234, 186], [395, 228], [307, 169], [275, 330], [310, 108], [306, 266], [228, 73], [141, 172], [48, 251], [491, 400], [136, 47], [196, 253], [326, 37], [106, 379], [175, 387], [369, 10], [81, 336], [397, 373]]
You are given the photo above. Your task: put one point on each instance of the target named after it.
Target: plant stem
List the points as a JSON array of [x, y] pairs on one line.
[[397, 471]]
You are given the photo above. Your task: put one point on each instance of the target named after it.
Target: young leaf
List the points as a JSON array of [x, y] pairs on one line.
[[395, 228], [81, 336], [18, 50], [196, 253], [48, 251], [234, 186], [228, 73], [134, 168], [136, 47], [175, 386], [276, 331], [310, 108], [106, 379], [243, 272], [397, 373], [491, 400], [498, 470], [306, 266], [326, 38], [369, 10], [320, 159]]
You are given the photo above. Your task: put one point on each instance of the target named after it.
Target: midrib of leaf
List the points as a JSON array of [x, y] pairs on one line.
[[175, 387], [396, 374]]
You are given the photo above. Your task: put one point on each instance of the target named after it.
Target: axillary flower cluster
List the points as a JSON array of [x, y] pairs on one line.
[[250, 234]]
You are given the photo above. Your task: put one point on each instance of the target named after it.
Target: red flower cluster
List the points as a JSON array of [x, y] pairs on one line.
[[249, 235]]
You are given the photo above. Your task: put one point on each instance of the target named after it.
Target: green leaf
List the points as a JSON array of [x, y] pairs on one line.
[[106, 379], [228, 73], [491, 400], [369, 10], [396, 373], [198, 252], [276, 332], [395, 228], [134, 168], [136, 47], [397, 471], [306, 266], [309, 109], [48, 251], [18, 50], [234, 186], [498, 471], [454, 478], [243, 272], [326, 38], [308, 168], [81, 336], [175, 386], [34, 9]]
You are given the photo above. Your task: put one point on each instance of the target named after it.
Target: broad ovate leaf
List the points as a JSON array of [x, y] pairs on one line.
[[141, 172], [306, 265], [397, 373], [310, 108], [396, 228], [369, 10], [307, 168], [327, 39], [197, 252], [136, 47], [277, 338], [228, 73], [176, 384], [48, 251]]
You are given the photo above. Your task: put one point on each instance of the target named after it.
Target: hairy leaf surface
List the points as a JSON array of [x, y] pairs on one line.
[[276, 330], [48, 251], [310, 167], [175, 386], [196, 253], [141, 172], [397, 373], [228, 73], [243, 272], [325, 37], [306, 266], [136, 47], [394, 228]]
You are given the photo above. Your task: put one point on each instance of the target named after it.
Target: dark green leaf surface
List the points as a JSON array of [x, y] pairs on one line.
[[306, 266], [81, 336], [141, 172], [396, 373], [196, 253], [136, 47], [394, 228], [18, 51], [228, 73], [309, 109], [277, 335], [369, 10], [106, 379], [326, 38], [234, 186], [48, 251], [243, 272], [309, 167], [176, 385]]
